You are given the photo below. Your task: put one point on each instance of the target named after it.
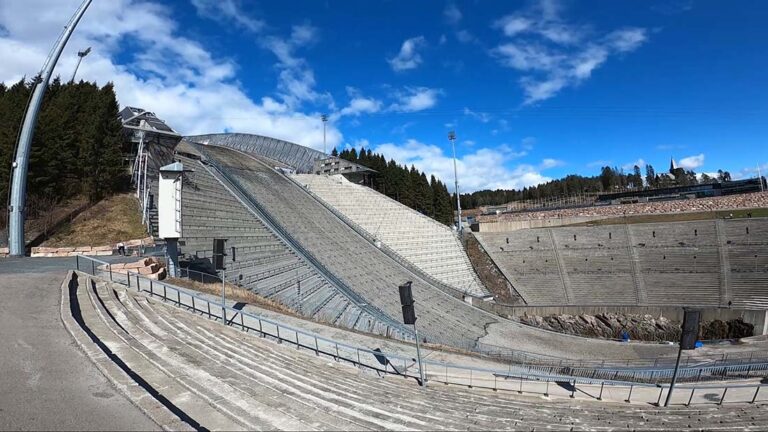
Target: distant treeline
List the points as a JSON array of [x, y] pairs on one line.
[[76, 150], [408, 186], [609, 180]]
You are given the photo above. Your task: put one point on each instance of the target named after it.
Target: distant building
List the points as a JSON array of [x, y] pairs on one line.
[[331, 165]]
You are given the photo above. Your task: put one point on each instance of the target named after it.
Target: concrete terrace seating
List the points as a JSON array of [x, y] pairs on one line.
[[264, 265], [428, 244], [357, 262], [218, 378], [678, 263]]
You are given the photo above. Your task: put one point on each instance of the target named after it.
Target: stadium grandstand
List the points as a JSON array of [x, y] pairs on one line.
[[711, 204], [284, 294], [704, 190], [182, 362], [715, 263], [428, 244], [342, 358]]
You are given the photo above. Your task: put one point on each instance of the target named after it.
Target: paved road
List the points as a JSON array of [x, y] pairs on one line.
[[46, 383]]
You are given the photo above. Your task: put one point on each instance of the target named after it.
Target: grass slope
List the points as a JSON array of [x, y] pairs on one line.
[[114, 219]]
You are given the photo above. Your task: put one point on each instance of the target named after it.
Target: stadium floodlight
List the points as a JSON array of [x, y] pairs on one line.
[[452, 139], [21, 162], [80, 55], [324, 118]]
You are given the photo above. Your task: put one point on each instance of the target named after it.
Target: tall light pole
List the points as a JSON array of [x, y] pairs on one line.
[[80, 55], [452, 139], [324, 118], [21, 159]]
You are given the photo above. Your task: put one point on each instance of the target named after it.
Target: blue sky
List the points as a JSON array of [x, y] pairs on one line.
[[534, 89]]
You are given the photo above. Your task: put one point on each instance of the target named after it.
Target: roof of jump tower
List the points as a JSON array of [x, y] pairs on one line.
[[294, 155]]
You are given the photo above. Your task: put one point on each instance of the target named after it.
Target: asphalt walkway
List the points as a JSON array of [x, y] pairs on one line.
[[46, 382]]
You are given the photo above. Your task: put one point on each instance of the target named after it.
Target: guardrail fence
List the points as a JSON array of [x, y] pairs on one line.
[[520, 378]]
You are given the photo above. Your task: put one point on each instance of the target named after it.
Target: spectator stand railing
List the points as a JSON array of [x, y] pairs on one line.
[[517, 378]]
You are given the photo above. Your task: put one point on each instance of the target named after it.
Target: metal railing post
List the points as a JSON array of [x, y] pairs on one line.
[[629, 397], [754, 397], [693, 390], [317, 348], [723, 397], [77, 262], [600, 397]]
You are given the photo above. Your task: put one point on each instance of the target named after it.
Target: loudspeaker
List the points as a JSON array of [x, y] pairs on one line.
[[233, 254], [218, 253], [690, 329], [406, 300]]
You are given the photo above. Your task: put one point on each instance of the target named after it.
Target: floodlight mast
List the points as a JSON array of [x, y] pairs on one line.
[[324, 118], [21, 160], [452, 139], [80, 55]]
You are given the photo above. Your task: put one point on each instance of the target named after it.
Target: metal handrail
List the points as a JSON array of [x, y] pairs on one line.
[[368, 358]]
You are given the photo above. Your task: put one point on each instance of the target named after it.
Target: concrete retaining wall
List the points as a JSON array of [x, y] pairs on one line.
[[758, 318], [514, 225], [86, 250]]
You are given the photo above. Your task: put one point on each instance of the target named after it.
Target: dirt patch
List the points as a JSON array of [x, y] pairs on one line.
[[234, 292], [114, 219], [490, 275]]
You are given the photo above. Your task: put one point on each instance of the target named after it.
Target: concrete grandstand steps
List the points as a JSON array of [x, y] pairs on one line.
[[210, 382], [110, 327], [354, 260], [664, 264], [268, 386], [425, 243], [267, 265]]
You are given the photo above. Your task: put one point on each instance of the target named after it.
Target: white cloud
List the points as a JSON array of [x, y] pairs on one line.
[[408, 57], [553, 54], [628, 39], [464, 36], [413, 99], [452, 14], [691, 162], [484, 168], [748, 172], [550, 163], [296, 80], [543, 20], [479, 116], [629, 166], [599, 163], [226, 11], [168, 73], [358, 104]]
